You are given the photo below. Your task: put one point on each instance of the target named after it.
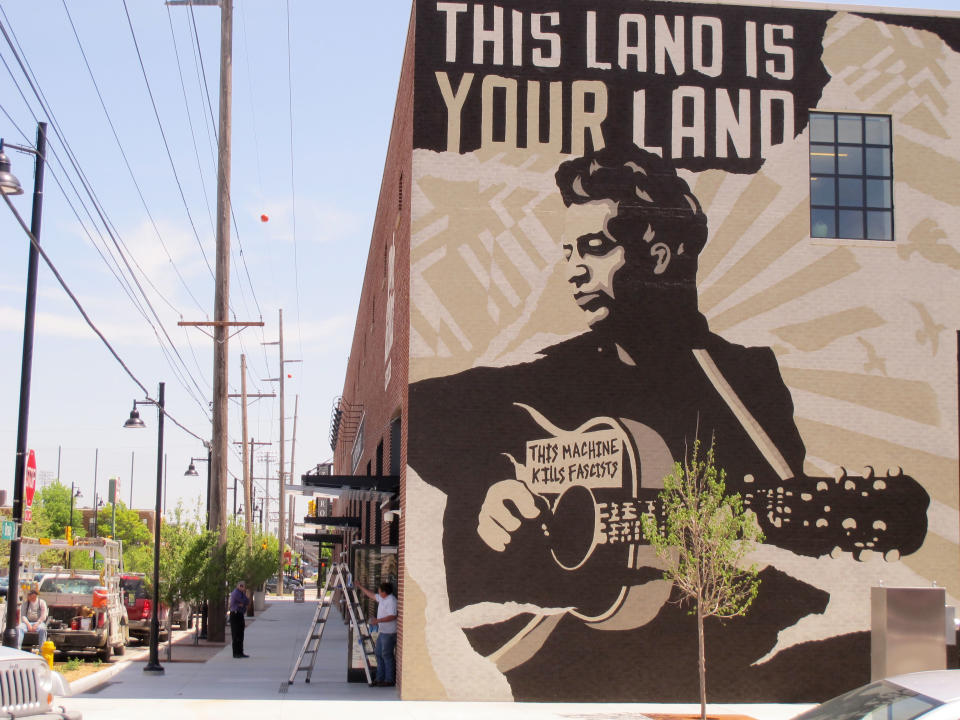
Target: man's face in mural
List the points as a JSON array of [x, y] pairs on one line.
[[594, 257]]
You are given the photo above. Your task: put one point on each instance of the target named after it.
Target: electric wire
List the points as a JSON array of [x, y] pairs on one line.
[[108, 226], [293, 184], [46, 258], [163, 135], [124, 284], [193, 133], [126, 161], [98, 207], [213, 123]]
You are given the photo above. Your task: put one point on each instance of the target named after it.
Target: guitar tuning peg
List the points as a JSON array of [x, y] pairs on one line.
[[896, 471], [892, 555], [840, 473], [867, 472]]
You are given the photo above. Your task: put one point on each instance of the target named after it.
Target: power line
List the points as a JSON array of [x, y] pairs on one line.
[[163, 135], [186, 104], [126, 161], [107, 224], [293, 185], [83, 313]]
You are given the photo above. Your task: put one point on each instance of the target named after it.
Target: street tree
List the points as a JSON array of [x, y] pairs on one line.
[[129, 529], [703, 537]]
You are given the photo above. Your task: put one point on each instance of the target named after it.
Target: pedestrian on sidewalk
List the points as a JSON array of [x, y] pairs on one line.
[[238, 608], [386, 620]]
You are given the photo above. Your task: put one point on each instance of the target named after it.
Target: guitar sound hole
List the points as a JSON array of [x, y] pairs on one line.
[[573, 526]]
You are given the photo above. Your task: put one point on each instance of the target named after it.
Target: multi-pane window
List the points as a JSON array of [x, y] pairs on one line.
[[851, 176]]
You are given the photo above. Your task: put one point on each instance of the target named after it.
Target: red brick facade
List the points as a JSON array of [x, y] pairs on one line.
[[376, 379]]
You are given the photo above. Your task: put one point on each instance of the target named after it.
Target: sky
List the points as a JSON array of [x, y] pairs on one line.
[[130, 91]]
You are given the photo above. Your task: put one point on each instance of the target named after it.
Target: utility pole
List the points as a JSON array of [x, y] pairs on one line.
[[216, 620], [247, 510], [132, 456], [293, 452], [96, 524], [248, 476], [247, 513], [216, 519], [281, 491], [266, 499], [281, 536]]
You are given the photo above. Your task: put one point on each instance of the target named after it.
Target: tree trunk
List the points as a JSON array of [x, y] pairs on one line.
[[702, 664]]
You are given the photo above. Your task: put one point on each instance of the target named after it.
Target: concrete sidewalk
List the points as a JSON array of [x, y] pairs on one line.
[[257, 687]]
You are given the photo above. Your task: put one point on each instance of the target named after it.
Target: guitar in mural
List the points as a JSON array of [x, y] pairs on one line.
[[590, 487]]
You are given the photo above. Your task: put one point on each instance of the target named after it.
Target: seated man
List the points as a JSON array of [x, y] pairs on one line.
[[33, 618]]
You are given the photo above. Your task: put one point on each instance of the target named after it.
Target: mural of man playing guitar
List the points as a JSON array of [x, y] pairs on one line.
[[548, 465]]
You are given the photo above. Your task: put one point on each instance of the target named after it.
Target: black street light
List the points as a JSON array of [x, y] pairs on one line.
[[97, 504], [9, 185], [192, 471], [153, 664], [74, 493]]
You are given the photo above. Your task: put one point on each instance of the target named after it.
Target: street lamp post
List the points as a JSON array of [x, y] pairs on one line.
[[9, 185], [97, 504], [192, 472], [74, 493], [153, 664]]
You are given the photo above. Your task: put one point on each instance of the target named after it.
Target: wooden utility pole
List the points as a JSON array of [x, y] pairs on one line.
[[247, 510], [244, 397], [281, 536], [293, 452], [217, 493]]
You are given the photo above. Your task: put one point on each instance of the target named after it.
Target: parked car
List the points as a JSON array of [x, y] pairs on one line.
[[28, 687], [139, 603], [289, 584], [932, 695]]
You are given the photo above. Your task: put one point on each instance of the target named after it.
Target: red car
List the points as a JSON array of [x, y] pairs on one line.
[[139, 604]]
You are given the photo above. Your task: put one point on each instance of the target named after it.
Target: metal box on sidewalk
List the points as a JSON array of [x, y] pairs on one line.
[[298, 595], [908, 633]]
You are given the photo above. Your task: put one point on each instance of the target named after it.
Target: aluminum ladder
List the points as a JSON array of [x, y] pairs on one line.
[[312, 642], [337, 578]]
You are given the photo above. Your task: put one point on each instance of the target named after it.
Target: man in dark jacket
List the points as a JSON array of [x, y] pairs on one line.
[[238, 609]]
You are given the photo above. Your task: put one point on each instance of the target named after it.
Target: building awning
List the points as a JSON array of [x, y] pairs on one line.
[[323, 538], [332, 521], [366, 488]]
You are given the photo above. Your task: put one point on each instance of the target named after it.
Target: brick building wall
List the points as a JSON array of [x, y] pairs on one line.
[[376, 377]]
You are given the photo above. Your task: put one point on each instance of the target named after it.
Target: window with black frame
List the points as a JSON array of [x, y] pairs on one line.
[[851, 176]]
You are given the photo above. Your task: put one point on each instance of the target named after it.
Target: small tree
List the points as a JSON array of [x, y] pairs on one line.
[[704, 537]]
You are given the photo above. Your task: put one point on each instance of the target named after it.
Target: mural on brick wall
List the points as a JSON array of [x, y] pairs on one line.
[[611, 256]]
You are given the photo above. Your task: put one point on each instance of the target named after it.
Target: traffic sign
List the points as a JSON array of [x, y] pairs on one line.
[[8, 530], [30, 486]]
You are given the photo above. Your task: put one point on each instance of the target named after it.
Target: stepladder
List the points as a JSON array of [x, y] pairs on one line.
[[337, 579]]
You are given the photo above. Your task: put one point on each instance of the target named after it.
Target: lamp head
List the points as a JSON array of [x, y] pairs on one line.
[[134, 420], [191, 470], [9, 185]]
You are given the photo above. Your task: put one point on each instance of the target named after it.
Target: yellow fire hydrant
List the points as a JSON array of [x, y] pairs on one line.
[[47, 651]]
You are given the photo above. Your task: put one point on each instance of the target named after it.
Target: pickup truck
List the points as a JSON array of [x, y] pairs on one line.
[[86, 611]]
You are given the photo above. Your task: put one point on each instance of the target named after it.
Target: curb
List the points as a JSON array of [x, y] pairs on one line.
[[86, 684]]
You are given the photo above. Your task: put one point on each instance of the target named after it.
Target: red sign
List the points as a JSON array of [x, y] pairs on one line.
[[30, 485]]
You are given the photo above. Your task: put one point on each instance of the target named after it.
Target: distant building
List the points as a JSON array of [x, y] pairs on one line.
[[103, 529], [606, 230]]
